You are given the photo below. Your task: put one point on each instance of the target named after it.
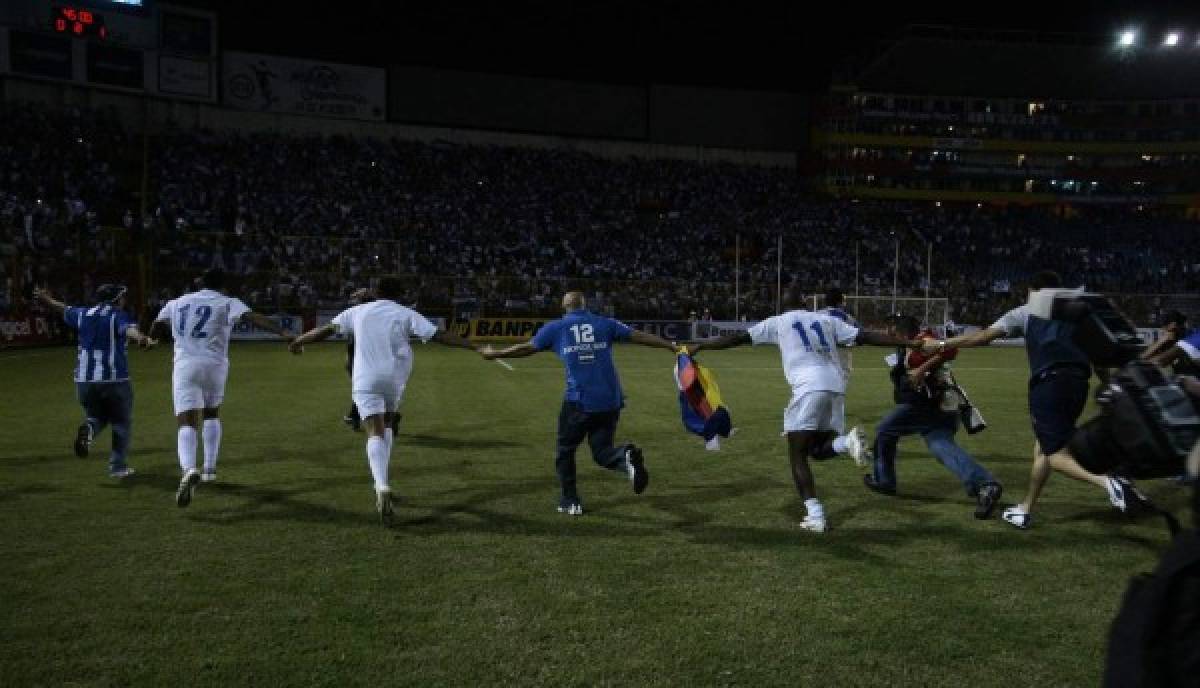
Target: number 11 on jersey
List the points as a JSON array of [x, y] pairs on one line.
[[816, 327]]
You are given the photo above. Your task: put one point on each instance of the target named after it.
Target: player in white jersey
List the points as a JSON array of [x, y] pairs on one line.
[[200, 323], [813, 418], [383, 359], [855, 441]]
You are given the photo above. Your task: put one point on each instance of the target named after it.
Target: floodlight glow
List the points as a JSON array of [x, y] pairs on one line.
[[1172, 39], [1128, 38]]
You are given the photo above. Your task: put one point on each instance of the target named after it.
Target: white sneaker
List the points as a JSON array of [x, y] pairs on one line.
[[815, 525], [208, 477], [856, 447], [1122, 494], [1017, 517], [383, 504], [187, 486], [714, 444]]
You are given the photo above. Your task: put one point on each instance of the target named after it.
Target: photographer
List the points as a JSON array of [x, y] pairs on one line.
[[1058, 392], [1177, 347], [921, 388]]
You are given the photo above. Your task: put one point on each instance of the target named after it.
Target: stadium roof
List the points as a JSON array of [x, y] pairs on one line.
[[928, 61]]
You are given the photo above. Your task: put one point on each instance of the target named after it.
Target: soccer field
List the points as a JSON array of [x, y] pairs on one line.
[[280, 574]]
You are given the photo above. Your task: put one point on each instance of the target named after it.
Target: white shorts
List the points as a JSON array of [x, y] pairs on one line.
[[819, 411], [198, 384], [375, 394], [374, 403]]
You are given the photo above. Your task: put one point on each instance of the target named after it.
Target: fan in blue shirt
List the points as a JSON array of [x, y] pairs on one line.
[[583, 341], [101, 370]]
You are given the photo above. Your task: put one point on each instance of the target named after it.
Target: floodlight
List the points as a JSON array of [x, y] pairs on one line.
[[1171, 39], [1128, 38]]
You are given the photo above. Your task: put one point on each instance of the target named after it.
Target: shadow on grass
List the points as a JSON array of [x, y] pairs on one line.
[[12, 493], [438, 442], [99, 453], [262, 503]]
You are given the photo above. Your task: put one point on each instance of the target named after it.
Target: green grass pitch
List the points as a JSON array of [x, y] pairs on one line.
[[280, 574]]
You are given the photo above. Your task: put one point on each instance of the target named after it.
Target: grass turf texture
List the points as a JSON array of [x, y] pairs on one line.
[[280, 574]]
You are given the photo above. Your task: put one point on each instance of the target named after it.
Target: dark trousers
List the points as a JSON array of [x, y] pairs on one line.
[[109, 403], [575, 425], [937, 428]]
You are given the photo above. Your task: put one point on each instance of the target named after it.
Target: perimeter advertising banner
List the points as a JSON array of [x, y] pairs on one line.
[[523, 328], [248, 330], [32, 330], [267, 83]]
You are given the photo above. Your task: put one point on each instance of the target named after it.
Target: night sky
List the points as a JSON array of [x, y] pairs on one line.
[[741, 44]]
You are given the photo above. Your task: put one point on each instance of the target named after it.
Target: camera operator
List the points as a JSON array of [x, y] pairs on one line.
[[1058, 392]]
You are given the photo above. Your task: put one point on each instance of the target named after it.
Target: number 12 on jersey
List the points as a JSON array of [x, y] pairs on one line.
[[203, 313], [583, 333], [816, 327]]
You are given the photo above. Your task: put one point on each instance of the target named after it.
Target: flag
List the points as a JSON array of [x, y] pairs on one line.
[[700, 399]]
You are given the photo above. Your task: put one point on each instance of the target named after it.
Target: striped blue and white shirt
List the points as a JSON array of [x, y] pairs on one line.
[[102, 331]]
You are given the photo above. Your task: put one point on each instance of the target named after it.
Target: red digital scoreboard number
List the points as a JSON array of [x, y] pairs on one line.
[[78, 22]]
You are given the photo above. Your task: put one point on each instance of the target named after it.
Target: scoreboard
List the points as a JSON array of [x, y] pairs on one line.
[[139, 45], [79, 22]]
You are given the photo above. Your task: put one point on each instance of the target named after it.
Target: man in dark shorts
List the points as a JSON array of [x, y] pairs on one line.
[[1058, 392]]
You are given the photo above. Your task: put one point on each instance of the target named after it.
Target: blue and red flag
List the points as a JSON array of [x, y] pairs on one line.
[[700, 402]]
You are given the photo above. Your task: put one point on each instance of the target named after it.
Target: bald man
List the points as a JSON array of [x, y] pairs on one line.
[[592, 405]]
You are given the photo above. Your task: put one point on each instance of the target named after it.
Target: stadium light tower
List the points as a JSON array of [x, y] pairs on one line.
[[1128, 38], [1172, 39]]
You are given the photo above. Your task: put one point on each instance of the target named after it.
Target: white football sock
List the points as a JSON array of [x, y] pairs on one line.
[[388, 437], [815, 510], [187, 448], [377, 457], [839, 444], [212, 443]]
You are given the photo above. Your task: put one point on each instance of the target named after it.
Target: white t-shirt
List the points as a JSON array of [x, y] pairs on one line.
[[201, 323], [1013, 322], [381, 332], [808, 343]]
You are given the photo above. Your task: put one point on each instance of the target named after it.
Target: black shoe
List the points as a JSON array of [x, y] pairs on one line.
[[987, 499], [353, 420], [869, 481], [83, 440], [187, 487], [638, 475]]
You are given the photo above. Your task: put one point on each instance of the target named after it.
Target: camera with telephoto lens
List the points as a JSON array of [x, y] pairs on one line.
[[1147, 423], [1146, 427]]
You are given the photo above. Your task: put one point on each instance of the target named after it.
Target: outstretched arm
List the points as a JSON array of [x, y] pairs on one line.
[[515, 351], [447, 338], [134, 334], [45, 297], [266, 323], [965, 341], [651, 340], [1166, 358], [316, 334], [916, 376], [726, 342], [160, 329], [872, 338]]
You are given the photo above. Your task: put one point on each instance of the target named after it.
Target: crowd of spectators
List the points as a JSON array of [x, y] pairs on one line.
[[300, 221]]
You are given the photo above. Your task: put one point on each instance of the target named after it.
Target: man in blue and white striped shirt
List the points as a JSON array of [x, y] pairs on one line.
[[102, 371]]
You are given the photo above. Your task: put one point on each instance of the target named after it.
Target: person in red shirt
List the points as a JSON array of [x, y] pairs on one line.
[[922, 408]]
